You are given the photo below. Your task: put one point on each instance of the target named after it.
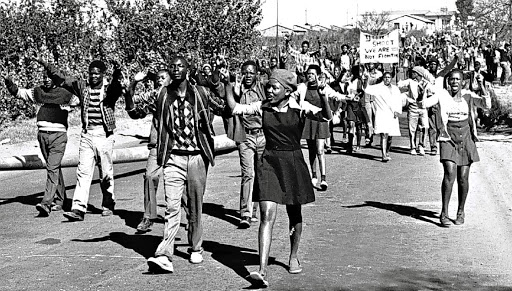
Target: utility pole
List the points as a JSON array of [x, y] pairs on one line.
[[277, 30]]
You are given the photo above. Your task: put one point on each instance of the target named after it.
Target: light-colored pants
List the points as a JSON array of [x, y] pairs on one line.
[[417, 118], [250, 151], [151, 180], [95, 149], [183, 175], [504, 72]]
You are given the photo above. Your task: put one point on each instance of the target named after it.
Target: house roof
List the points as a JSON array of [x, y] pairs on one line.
[[274, 26], [422, 19]]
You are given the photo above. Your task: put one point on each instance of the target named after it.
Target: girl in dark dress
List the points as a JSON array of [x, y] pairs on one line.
[[282, 176]]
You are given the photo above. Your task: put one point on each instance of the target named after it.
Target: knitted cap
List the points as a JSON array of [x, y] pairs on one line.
[[286, 78]]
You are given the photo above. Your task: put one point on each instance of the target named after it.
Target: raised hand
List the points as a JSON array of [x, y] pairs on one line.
[[141, 76]]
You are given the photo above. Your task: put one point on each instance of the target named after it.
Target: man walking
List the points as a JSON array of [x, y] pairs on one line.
[[185, 151], [52, 125], [248, 134], [98, 99]]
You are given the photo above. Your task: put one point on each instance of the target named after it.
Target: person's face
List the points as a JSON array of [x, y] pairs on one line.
[[264, 63], [344, 49], [305, 47], [337, 72], [95, 76], [178, 70], [371, 66], [312, 76], [249, 75], [207, 71], [386, 79], [455, 81], [273, 63], [276, 93], [432, 67], [354, 51], [163, 79], [47, 82], [477, 66], [415, 76]]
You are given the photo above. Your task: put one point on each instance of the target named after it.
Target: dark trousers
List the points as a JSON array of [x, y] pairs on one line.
[[53, 145]]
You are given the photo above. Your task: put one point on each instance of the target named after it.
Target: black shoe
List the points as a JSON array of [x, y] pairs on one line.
[[445, 220], [44, 211], [74, 215], [145, 225], [245, 222]]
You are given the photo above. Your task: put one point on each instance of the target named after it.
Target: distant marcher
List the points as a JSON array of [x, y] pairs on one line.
[[388, 104], [52, 125]]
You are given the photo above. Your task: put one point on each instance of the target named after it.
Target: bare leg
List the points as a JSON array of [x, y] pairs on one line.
[[388, 145], [320, 152], [268, 213], [312, 153], [384, 144], [463, 186], [450, 173]]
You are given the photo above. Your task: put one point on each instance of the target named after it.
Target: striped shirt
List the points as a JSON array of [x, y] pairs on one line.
[[94, 110]]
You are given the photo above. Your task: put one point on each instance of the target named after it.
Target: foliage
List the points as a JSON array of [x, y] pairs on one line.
[[373, 22], [465, 9], [133, 33], [149, 32], [493, 17]]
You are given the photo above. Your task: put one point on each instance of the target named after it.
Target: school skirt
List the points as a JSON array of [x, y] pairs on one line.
[[461, 149]]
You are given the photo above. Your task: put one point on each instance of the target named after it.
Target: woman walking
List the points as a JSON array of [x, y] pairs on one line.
[[282, 176], [457, 138], [388, 104]]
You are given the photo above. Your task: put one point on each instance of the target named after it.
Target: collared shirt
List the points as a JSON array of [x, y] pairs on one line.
[[249, 96], [302, 59]]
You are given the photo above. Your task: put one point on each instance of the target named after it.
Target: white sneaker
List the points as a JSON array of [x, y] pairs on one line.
[[160, 263], [413, 152], [314, 181], [196, 257], [422, 151]]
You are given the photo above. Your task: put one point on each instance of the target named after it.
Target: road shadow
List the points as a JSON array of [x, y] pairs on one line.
[[404, 210], [145, 245], [220, 212], [143, 139], [33, 199]]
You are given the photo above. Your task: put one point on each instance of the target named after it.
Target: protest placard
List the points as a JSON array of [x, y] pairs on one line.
[[379, 48]]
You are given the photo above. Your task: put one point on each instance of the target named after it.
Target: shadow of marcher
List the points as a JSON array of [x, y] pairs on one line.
[[33, 199], [403, 210], [220, 212], [143, 139], [145, 245]]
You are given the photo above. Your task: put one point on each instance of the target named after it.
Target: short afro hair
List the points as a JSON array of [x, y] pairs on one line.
[[98, 64]]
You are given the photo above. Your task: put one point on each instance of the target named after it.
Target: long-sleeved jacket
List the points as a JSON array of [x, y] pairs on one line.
[[82, 89], [163, 119]]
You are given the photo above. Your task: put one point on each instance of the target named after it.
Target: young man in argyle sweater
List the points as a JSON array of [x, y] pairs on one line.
[[185, 151], [97, 99]]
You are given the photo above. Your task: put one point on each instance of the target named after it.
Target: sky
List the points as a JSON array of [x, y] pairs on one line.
[[334, 12]]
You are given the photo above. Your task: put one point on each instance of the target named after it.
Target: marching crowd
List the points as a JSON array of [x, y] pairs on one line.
[[268, 107]]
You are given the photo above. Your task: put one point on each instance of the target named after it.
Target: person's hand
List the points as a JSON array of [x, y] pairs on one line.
[[224, 74], [140, 76], [395, 114]]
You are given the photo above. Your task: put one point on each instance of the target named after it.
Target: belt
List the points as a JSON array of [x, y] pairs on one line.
[[49, 131], [185, 152], [253, 130]]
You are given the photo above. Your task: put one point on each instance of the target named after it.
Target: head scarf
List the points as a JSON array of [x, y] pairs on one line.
[[286, 78]]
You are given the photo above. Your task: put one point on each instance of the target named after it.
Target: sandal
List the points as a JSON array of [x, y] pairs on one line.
[[445, 220], [294, 266], [257, 280]]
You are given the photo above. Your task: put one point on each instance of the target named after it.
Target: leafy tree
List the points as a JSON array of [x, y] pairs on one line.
[[373, 22], [465, 9]]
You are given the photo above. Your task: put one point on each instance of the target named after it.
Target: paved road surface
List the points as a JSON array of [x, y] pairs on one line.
[[375, 228]]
